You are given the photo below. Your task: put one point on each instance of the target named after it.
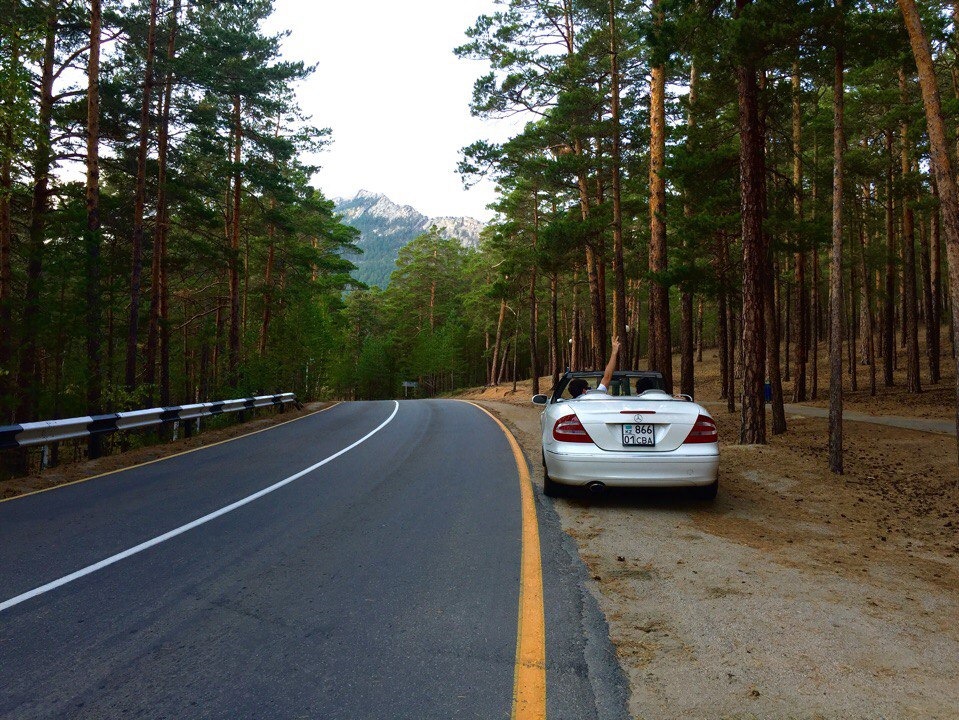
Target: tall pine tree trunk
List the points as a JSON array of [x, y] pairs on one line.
[[935, 285], [835, 260], [866, 314], [660, 340], [6, 246], [92, 240], [533, 344], [889, 302], [619, 274], [139, 202], [554, 348], [234, 339], [801, 305], [158, 336], [30, 374], [909, 295], [687, 334], [494, 373], [941, 162], [753, 207]]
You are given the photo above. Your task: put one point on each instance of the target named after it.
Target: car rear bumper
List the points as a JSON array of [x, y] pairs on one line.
[[633, 469]]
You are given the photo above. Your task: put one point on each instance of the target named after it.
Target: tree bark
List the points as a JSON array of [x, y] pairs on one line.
[[660, 341], [941, 162], [687, 383], [889, 303], [234, 339], [139, 202], [554, 349], [533, 301], [30, 374], [92, 238], [755, 254], [801, 305], [7, 384], [778, 424], [934, 338], [835, 260], [158, 335], [909, 295], [866, 315], [494, 376], [619, 274]]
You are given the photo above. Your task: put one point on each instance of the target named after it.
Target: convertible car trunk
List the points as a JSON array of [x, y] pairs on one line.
[[604, 418]]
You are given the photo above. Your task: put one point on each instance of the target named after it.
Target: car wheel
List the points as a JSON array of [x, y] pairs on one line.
[[707, 492]]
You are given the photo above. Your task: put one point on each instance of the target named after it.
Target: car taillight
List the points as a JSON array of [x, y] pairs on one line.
[[704, 431], [569, 429]]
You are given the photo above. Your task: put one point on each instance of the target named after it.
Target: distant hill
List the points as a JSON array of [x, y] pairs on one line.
[[385, 227]]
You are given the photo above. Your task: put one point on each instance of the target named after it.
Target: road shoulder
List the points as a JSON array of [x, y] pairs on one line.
[[796, 594]]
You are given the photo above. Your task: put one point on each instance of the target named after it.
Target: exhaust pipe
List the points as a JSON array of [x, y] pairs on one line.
[[596, 487]]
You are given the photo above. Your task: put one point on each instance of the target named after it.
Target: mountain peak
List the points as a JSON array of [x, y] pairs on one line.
[[385, 227]]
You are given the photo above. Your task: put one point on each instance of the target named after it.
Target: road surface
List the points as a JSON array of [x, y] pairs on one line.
[[368, 561]]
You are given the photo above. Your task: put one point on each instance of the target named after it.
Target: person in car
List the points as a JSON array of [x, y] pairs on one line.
[[578, 386]]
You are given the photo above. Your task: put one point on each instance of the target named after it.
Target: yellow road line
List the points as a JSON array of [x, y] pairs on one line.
[[165, 457], [529, 679]]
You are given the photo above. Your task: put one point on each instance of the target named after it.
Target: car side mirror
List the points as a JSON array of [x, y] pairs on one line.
[[540, 399]]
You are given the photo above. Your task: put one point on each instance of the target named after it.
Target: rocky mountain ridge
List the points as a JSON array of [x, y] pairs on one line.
[[386, 226]]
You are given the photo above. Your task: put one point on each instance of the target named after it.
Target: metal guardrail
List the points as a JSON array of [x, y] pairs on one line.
[[49, 431]]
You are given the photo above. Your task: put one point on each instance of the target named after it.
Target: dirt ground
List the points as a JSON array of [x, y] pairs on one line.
[[797, 593]]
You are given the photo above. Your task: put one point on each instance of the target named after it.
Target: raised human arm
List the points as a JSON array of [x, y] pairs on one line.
[[611, 365]]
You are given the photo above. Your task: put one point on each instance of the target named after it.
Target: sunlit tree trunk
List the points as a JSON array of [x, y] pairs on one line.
[[619, 274], [941, 162], [660, 340]]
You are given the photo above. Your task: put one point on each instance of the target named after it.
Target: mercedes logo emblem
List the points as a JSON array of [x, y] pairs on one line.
[[637, 418]]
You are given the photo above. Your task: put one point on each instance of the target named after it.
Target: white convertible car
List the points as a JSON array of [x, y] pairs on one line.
[[634, 435]]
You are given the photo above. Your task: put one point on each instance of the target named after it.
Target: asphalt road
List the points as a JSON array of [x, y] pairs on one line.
[[361, 562]]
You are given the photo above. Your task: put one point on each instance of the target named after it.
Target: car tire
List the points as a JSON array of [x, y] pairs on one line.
[[706, 492]]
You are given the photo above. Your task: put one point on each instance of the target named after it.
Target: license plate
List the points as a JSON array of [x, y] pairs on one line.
[[639, 434]]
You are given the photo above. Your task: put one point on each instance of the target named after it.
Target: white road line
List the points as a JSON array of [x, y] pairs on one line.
[[189, 526]]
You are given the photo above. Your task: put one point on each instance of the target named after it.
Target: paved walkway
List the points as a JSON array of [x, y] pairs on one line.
[[924, 424], [947, 427]]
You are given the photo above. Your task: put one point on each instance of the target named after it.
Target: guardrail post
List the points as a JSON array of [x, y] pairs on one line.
[[95, 446]]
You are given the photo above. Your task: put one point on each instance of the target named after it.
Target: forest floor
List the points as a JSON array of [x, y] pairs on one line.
[[797, 593]]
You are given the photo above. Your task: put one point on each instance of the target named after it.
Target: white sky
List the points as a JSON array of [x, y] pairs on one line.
[[395, 97]]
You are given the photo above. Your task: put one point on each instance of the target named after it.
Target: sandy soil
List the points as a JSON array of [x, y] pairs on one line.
[[797, 593]]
